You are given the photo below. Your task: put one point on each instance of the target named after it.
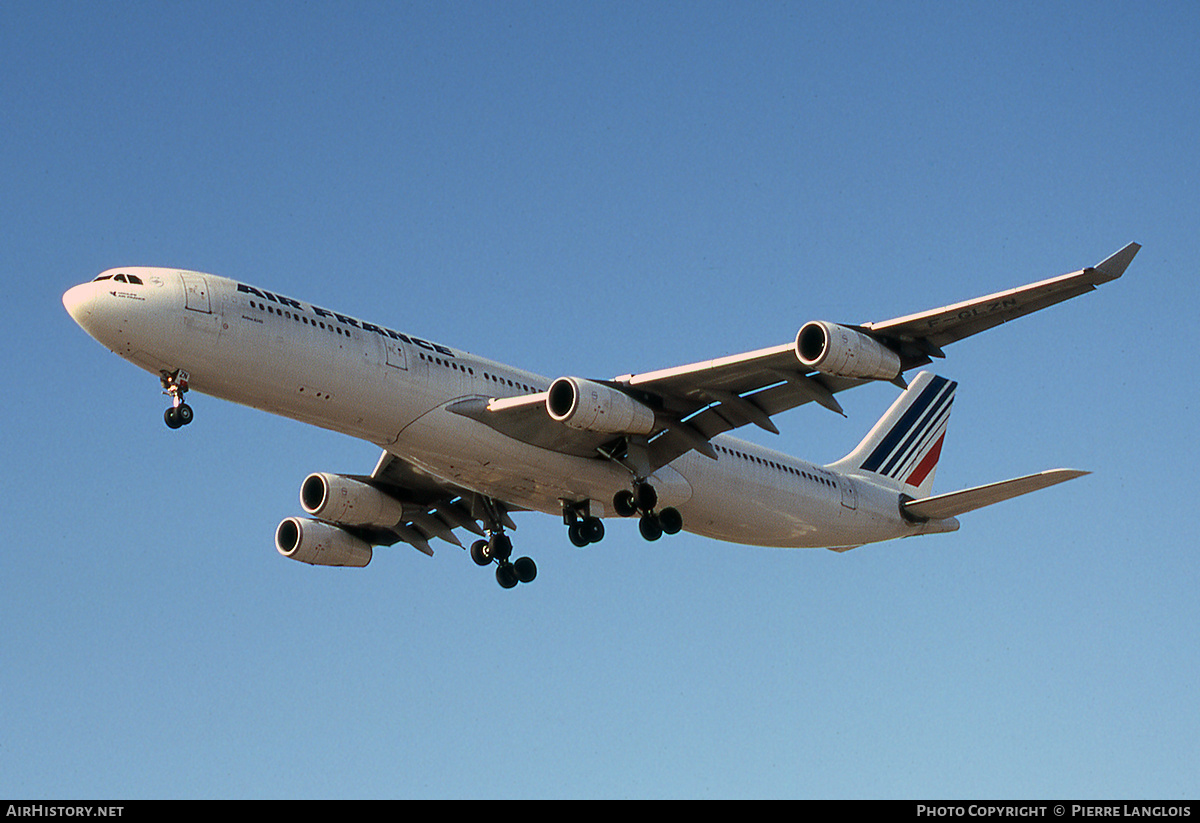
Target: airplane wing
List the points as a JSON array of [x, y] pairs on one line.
[[693, 403], [938, 327], [432, 507]]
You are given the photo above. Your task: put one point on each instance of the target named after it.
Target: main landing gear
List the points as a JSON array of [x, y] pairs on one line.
[[498, 549], [654, 523], [582, 528], [175, 384]]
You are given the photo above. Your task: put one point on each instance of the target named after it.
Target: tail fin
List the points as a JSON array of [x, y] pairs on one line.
[[904, 446]]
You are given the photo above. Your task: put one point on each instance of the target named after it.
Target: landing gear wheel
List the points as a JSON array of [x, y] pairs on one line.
[[500, 547], [578, 539], [525, 569], [506, 576], [175, 384], [586, 531], [177, 416], [593, 529], [624, 504], [480, 554], [650, 527], [646, 497], [671, 520]]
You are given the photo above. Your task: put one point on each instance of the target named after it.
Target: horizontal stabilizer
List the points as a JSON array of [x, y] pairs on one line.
[[953, 504]]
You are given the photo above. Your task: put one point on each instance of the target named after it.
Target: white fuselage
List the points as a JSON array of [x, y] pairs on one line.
[[281, 355]]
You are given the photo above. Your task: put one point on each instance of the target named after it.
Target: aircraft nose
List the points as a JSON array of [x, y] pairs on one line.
[[78, 302]]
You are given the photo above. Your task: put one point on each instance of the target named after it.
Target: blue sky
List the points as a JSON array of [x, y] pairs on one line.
[[597, 189]]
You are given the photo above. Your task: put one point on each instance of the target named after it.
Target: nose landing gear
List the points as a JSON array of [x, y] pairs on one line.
[[175, 384]]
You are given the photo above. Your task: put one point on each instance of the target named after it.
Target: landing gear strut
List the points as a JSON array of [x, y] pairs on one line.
[[654, 523], [175, 384]]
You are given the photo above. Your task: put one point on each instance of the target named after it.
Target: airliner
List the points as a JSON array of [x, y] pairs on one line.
[[468, 441]]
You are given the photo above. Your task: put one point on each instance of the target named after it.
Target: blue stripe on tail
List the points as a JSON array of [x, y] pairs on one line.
[[910, 434]]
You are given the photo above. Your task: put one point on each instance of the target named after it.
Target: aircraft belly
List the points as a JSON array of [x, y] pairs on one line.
[[778, 511], [478, 457]]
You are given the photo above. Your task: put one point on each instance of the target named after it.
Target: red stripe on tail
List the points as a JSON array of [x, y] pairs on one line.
[[926, 466]]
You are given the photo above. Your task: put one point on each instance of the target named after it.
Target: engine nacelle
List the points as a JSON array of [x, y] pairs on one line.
[[834, 349], [595, 407], [338, 499], [320, 544]]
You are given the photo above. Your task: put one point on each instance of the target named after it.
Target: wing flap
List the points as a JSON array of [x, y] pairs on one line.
[[432, 507]]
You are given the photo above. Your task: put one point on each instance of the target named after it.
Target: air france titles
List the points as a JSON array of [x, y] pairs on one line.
[[344, 320]]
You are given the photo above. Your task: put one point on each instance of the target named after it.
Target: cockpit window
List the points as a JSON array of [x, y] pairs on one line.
[[132, 279], [102, 277]]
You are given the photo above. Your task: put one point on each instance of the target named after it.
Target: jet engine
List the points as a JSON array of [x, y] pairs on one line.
[[595, 407], [320, 544], [845, 352], [338, 499]]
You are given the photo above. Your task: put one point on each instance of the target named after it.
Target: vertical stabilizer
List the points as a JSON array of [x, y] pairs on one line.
[[903, 448]]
